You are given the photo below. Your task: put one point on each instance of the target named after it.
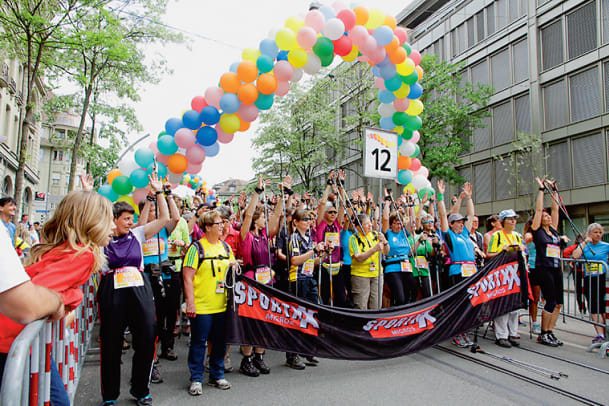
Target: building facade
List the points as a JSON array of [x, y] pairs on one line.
[[548, 63]]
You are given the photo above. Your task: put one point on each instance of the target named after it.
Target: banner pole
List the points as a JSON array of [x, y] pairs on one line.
[[380, 281]]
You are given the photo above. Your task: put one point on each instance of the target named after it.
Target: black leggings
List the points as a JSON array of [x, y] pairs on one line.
[[550, 281], [403, 287]]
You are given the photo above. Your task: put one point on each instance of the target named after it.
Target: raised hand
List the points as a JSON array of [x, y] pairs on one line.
[[441, 187], [155, 183], [468, 189], [87, 182]]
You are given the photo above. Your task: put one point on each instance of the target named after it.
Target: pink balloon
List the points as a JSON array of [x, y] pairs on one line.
[[401, 34], [213, 95], [416, 136], [164, 159], [415, 164], [153, 147], [306, 38], [282, 88], [185, 138], [422, 171], [247, 112], [316, 20], [193, 168], [347, 17], [369, 45], [380, 83], [223, 137], [378, 55], [415, 56], [211, 192], [358, 35], [401, 104], [139, 195], [363, 58], [283, 70], [195, 154], [197, 103]]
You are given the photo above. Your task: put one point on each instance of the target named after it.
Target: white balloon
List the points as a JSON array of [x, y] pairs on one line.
[[427, 184], [313, 64], [418, 181], [297, 75], [127, 165], [334, 29], [407, 148], [386, 109]]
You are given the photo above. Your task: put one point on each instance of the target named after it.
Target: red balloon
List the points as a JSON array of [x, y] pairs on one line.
[[348, 18], [415, 164], [343, 46], [198, 103]]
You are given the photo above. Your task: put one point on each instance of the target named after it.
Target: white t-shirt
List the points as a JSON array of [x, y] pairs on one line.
[[12, 272]]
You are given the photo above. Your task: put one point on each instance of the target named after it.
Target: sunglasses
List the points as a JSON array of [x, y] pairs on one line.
[[427, 222], [333, 212], [306, 219]]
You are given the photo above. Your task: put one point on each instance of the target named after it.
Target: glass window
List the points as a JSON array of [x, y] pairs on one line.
[[555, 105], [520, 61], [526, 177], [559, 165], [500, 70], [522, 106], [454, 45], [502, 13], [589, 160], [504, 178], [585, 95], [480, 73], [461, 35], [514, 12], [503, 124], [490, 20], [482, 136], [605, 10], [480, 25], [581, 30], [471, 33], [606, 84], [482, 183], [551, 45]]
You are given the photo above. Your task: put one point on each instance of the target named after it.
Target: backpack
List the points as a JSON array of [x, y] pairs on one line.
[[202, 256]]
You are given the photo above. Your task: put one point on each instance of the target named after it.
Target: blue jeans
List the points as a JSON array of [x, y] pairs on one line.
[[307, 289], [202, 328]]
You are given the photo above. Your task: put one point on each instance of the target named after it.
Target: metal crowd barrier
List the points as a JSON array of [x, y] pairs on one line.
[[578, 296], [27, 374]]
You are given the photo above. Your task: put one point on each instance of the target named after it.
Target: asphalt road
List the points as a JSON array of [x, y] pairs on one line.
[[431, 377]]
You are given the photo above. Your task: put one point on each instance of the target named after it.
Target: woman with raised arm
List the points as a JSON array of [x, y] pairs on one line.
[[547, 263]]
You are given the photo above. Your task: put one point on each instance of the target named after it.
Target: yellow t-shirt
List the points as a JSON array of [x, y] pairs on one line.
[[501, 238], [208, 284], [370, 267]]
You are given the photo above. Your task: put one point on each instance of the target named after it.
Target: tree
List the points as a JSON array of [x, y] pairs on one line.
[[452, 112]]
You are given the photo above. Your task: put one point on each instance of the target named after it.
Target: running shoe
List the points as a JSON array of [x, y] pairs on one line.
[[503, 342], [228, 365], [108, 403], [458, 341], [545, 339], [145, 401], [598, 339], [311, 361], [553, 337], [536, 328], [219, 383], [294, 362], [196, 388], [514, 340], [156, 375], [169, 355]]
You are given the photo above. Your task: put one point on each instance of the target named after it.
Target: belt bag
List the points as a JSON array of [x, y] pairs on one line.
[[167, 267]]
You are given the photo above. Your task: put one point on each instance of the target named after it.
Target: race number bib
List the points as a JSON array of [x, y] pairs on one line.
[[173, 250], [421, 262], [151, 247], [552, 251], [332, 238], [594, 269], [406, 266], [372, 266], [308, 267], [219, 286], [263, 275], [334, 269], [468, 270], [127, 277]]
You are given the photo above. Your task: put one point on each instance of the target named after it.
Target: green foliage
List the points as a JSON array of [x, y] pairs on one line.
[[452, 112]]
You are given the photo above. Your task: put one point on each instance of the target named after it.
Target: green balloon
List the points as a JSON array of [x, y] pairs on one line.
[[416, 152], [407, 134], [407, 48], [430, 192], [399, 118], [327, 60], [122, 185], [323, 47], [411, 79], [413, 123]]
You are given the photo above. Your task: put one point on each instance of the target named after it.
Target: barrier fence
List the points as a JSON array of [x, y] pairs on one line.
[[27, 374]]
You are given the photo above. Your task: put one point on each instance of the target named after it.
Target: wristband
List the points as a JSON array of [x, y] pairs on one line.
[[542, 189], [158, 192], [258, 190], [151, 199], [288, 191], [440, 197], [330, 182], [315, 251], [387, 198]]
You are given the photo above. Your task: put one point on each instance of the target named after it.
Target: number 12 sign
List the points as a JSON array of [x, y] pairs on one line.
[[380, 154]]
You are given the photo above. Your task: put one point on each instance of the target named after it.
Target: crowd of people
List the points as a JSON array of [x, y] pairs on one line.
[[165, 271]]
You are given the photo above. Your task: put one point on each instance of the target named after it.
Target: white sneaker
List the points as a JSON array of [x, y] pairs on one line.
[[220, 383], [196, 389]]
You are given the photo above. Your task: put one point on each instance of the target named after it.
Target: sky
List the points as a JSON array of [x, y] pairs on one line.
[[220, 30]]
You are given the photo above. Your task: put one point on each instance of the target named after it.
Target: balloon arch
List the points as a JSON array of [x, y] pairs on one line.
[[304, 45]]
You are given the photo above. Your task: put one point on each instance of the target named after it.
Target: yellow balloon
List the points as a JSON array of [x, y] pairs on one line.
[[286, 39], [351, 55], [187, 178], [229, 123], [403, 91], [405, 68], [129, 199], [399, 130], [409, 189], [376, 19], [294, 24], [415, 108], [298, 58], [196, 179], [250, 54]]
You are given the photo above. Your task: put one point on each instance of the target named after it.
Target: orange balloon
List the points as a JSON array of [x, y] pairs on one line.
[[244, 126], [248, 93], [266, 83], [390, 21], [403, 162], [420, 71], [393, 44], [229, 82], [113, 174], [247, 71], [397, 55], [177, 163], [361, 15]]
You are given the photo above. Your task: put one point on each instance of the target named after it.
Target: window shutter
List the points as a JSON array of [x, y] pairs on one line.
[[589, 160], [520, 61], [559, 165], [503, 125], [581, 26], [500, 70], [551, 45], [555, 105], [585, 95], [482, 188], [502, 14], [522, 106], [504, 178], [480, 73], [480, 25], [482, 136], [490, 20]]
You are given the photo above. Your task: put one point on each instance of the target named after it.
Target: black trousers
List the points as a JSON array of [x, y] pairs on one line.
[[131, 307], [339, 290], [403, 287], [166, 307]]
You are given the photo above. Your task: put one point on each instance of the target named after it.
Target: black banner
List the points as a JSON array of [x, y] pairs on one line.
[[271, 319]]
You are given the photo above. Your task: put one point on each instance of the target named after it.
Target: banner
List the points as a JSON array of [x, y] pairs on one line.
[[266, 317]]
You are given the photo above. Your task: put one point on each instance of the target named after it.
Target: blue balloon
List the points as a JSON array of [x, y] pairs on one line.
[[161, 170], [139, 178], [207, 136], [415, 91], [376, 71], [328, 12], [400, 141], [172, 125], [405, 176], [212, 150], [210, 198], [394, 83], [210, 115], [191, 119], [144, 157], [387, 71], [229, 103], [233, 67], [264, 101], [387, 123], [282, 56], [385, 96], [384, 62], [167, 145], [269, 47], [106, 191], [383, 35]]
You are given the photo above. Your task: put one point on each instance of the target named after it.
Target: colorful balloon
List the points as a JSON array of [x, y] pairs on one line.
[[177, 163], [121, 185]]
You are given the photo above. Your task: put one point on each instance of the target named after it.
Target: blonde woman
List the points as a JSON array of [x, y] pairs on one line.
[[70, 250]]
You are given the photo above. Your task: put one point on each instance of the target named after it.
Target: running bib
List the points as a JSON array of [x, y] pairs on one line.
[[263, 275], [333, 238], [173, 250], [421, 262], [594, 269], [552, 251], [127, 277], [468, 270], [372, 266], [308, 267], [334, 269], [219, 286], [406, 266], [151, 247]]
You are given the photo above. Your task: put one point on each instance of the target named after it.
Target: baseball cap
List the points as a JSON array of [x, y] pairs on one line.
[[456, 217], [507, 213]]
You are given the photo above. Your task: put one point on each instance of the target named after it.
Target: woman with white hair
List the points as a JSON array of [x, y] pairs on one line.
[[594, 249]]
